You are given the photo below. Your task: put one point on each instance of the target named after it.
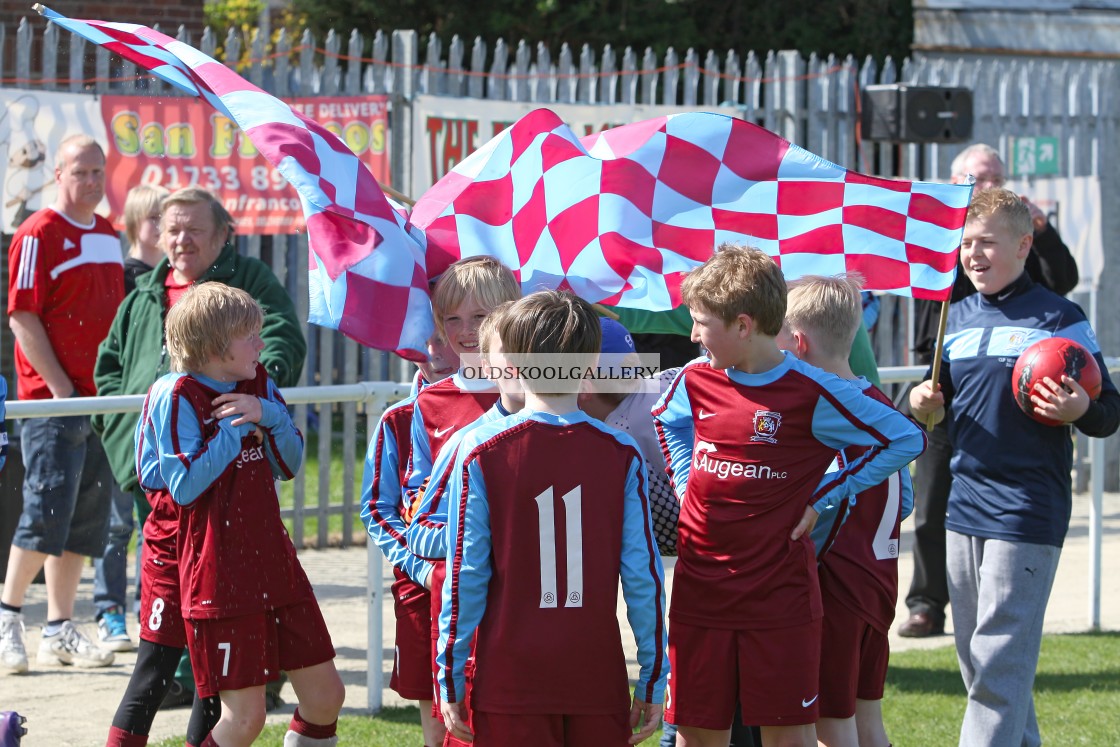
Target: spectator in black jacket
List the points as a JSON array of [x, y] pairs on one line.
[[1049, 264]]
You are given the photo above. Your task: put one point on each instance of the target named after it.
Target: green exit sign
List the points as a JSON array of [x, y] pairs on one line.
[[1033, 155]]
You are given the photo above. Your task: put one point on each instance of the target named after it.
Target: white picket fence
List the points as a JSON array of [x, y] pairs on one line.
[[811, 101]]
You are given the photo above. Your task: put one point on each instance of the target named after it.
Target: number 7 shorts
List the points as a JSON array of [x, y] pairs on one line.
[[233, 653]]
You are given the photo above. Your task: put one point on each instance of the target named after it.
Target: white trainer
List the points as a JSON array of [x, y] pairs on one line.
[[70, 647], [13, 656]]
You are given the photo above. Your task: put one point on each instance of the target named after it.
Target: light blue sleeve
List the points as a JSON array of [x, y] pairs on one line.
[[468, 576], [830, 519], [643, 586], [419, 456], [147, 452], [283, 443], [848, 417], [907, 489], [672, 415], [188, 464], [427, 534], [381, 501], [1081, 332]]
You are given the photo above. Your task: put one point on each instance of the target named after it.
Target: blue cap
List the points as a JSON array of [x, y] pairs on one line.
[[616, 338]]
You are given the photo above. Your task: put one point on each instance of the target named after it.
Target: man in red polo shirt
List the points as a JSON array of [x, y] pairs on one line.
[[65, 282]]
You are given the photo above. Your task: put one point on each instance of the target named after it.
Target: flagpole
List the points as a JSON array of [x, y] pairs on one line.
[[397, 195], [937, 356]]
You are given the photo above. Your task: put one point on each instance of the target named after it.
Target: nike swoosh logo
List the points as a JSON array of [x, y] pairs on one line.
[[810, 701], [706, 415], [444, 432], [1004, 296], [208, 421]]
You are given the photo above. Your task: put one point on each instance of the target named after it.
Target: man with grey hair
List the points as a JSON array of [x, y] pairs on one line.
[[65, 281], [1050, 264]]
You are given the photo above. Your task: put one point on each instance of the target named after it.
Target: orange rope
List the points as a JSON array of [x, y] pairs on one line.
[[439, 69], [68, 81]]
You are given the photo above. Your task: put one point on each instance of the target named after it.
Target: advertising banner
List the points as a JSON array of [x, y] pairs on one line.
[[174, 142], [180, 142]]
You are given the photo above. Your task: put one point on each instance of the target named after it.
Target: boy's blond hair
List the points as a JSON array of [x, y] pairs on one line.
[[485, 279], [202, 323], [1004, 205], [551, 328], [739, 280], [140, 202], [489, 326], [828, 309]]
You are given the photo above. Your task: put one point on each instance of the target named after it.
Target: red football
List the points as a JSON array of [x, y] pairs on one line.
[[1052, 358]]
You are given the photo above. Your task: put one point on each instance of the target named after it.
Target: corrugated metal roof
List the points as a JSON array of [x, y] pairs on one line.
[[1041, 27], [1013, 5]]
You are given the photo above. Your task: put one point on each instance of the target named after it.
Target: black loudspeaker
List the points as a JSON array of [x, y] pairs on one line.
[[916, 114]]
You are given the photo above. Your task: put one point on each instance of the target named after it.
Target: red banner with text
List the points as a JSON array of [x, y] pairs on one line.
[[179, 142]]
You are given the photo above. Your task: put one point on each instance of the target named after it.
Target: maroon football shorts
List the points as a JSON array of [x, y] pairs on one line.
[[233, 653], [546, 730], [854, 658], [412, 662], [773, 670], [161, 616]]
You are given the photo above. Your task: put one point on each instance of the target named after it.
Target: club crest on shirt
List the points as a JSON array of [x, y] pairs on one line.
[[766, 424], [1017, 342]]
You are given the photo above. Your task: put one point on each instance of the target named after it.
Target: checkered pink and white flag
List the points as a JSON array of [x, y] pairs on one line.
[[367, 276], [620, 217]]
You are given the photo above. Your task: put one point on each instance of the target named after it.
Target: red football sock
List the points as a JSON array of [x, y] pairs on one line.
[[209, 742], [122, 738], [313, 731]]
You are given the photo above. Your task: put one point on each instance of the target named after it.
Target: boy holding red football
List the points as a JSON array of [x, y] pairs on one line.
[[1010, 503]]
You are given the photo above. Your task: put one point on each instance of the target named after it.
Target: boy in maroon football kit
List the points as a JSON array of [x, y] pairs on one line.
[[858, 564], [214, 438], [387, 517], [548, 512], [749, 432], [463, 297]]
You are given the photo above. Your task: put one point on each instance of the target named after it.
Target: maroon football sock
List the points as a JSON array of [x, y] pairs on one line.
[[122, 738], [314, 731]]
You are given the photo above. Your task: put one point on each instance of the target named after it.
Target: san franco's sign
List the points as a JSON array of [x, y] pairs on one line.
[[174, 142], [181, 142]]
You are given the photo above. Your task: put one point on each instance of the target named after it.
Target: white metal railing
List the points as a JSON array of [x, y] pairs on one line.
[[376, 395]]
